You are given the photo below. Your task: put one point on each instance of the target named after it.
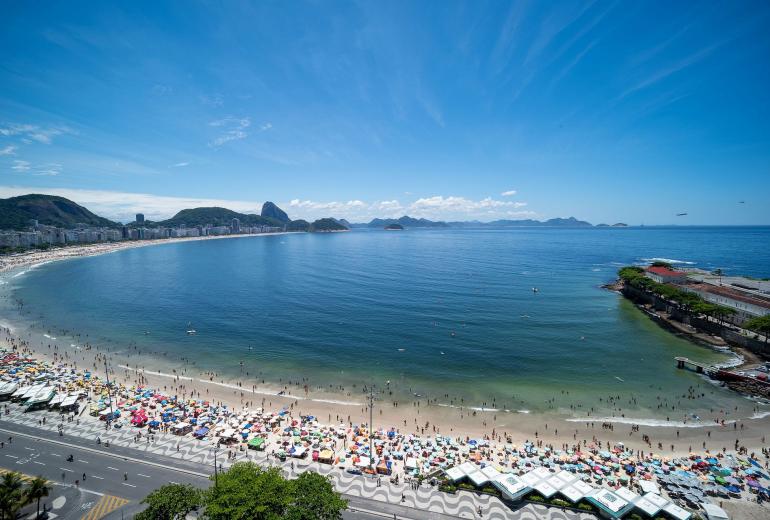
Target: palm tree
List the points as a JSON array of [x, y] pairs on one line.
[[11, 495], [38, 488]]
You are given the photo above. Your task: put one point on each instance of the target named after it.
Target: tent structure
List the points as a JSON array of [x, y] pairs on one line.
[[714, 512]]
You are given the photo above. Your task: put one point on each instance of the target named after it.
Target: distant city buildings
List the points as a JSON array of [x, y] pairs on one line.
[[48, 236]]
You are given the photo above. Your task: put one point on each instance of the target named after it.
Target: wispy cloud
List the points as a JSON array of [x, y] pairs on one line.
[[180, 164], [234, 129], [20, 166], [215, 100], [665, 72], [266, 127], [50, 170], [34, 133], [8, 150], [508, 193]]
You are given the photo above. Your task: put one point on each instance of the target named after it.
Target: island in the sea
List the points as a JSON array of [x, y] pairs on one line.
[[394, 227]]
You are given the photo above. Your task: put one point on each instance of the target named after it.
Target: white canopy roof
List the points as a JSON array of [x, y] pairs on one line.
[[656, 499], [490, 472], [676, 512], [467, 467], [572, 494], [455, 473], [478, 478], [69, 401], [714, 512], [511, 485], [545, 489], [648, 486], [608, 499], [626, 494], [646, 506]]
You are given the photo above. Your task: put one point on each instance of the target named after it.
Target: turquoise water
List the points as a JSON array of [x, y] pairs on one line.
[[436, 312]]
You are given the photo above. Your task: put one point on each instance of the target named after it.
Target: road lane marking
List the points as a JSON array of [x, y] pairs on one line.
[[141, 475], [127, 484], [106, 505], [30, 449], [113, 469], [83, 461], [41, 463], [65, 469], [96, 476], [55, 454], [12, 456]]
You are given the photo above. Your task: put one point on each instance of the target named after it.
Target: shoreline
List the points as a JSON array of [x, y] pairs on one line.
[[674, 437], [35, 258]]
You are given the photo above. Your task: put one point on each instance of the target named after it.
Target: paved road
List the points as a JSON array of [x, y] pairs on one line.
[[40, 450], [119, 473]]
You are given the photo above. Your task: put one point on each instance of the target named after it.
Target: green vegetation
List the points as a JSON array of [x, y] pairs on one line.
[[760, 325], [248, 492], [216, 217], [16, 212], [14, 495], [171, 502], [560, 503], [634, 276], [327, 224], [298, 225], [270, 210], [659, 263]]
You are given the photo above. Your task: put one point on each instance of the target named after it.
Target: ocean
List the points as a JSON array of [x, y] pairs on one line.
[[445, 314]]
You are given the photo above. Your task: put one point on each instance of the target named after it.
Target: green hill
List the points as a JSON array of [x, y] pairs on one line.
[[50, 210], [216, 217], [326, 224]]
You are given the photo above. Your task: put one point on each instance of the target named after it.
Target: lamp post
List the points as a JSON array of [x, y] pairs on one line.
[[371, 426], [216, 479], [109, 392]]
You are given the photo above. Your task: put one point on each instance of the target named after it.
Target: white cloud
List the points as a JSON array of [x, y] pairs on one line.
[[234, 129], [30, 133], [51, 170], [180, 164], [508, 193], [436, 208], [124, 206], [8, 150], [20, 166], [266, 127]]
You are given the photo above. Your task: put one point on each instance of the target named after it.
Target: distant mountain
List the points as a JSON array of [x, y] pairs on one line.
[[553, 222], [405, 221], [327, 224], [270, 210], [216, 217], [50, 210], [298, 225]]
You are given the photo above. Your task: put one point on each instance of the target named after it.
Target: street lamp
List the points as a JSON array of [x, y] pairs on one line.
[[216, 480], [371, 427], [109, 393]]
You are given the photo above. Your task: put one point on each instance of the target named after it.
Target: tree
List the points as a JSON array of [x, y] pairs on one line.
[[38, 488], [246, 491], [315, 499], [11, 495], [660, 263], [171, 502], [760, 325]]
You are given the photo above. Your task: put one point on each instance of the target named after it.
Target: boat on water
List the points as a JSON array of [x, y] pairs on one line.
[[191, 331]]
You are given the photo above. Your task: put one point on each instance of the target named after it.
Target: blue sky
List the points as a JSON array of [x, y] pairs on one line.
[[608, 111]]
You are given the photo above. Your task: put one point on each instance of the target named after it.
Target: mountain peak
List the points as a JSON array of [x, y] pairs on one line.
[[270, 210]]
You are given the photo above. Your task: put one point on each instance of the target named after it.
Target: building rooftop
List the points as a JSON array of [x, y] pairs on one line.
[[664, 271], [733, 294]]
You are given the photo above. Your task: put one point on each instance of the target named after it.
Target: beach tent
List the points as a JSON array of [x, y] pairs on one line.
[[714, 512], [455, 473]]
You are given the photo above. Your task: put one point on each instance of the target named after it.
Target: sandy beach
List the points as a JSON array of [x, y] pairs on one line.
[[676, 437], [36, 257]]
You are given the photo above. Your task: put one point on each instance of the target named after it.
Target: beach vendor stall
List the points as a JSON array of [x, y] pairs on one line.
[[182, 428]]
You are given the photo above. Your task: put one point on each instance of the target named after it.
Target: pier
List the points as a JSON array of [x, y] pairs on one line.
[[683, 362]]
